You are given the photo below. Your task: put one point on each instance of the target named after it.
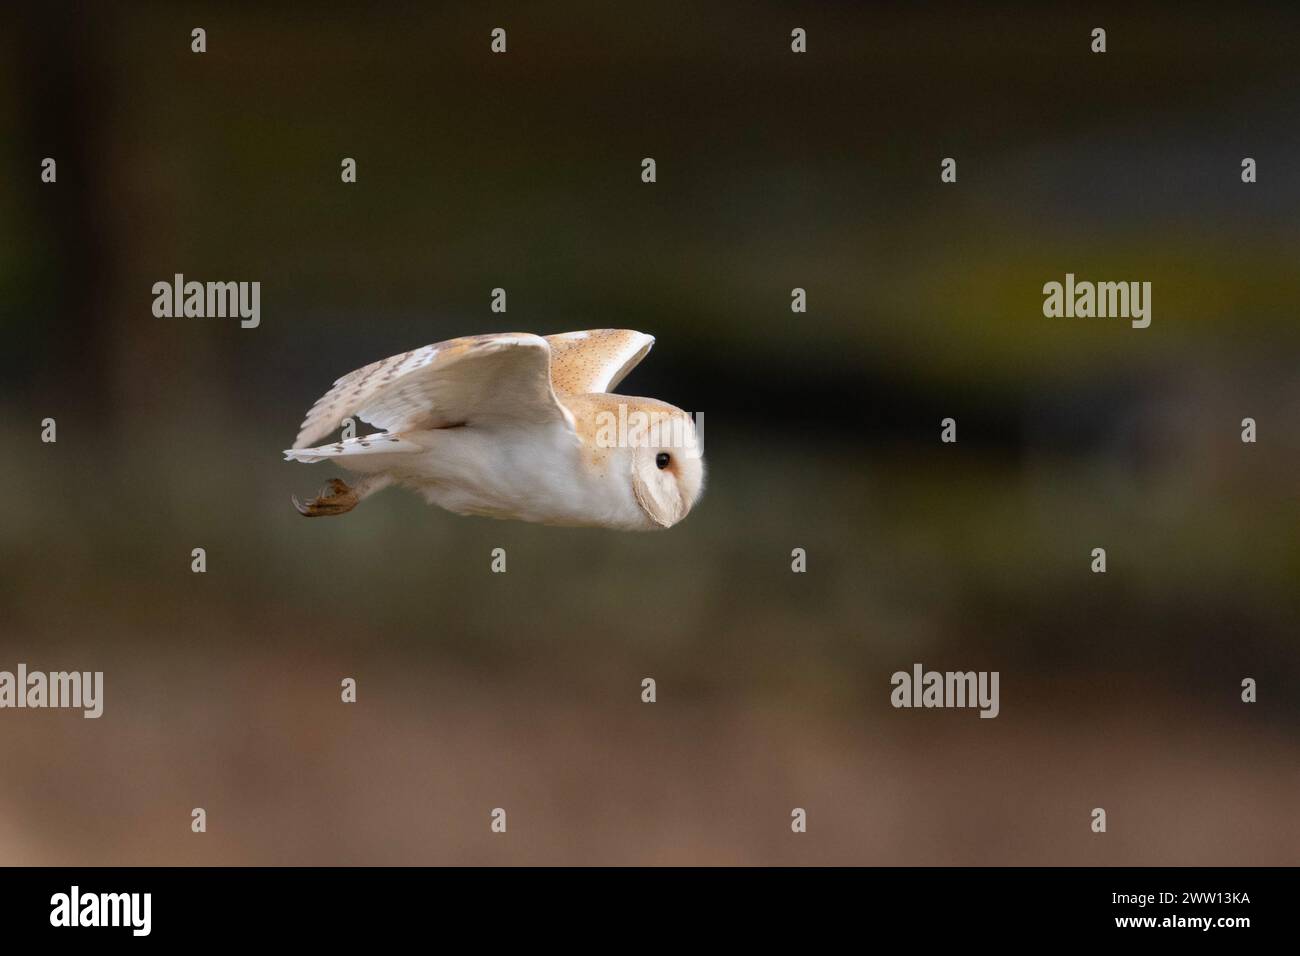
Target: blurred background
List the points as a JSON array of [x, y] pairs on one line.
[[522, 691]]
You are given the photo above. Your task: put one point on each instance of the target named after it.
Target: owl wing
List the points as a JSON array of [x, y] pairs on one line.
[[596, 360], [481, 379]]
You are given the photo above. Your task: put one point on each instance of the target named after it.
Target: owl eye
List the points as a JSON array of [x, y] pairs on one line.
[[662, 459]]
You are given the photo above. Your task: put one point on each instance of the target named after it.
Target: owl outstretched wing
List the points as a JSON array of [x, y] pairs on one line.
[[479, 379], [596, 360]]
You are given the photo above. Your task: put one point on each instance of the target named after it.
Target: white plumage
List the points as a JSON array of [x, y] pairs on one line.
[[512, 425]]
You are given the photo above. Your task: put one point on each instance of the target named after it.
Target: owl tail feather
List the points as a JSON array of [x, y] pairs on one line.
[[380, 443]]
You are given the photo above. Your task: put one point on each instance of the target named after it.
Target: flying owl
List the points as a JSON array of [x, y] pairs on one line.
[[512, 425]]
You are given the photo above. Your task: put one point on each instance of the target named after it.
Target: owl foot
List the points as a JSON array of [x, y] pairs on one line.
[[335, 498]]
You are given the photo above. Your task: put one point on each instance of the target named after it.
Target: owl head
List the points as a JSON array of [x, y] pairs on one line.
[[667, 467]]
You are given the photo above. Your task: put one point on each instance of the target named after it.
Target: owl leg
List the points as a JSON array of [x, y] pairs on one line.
[[338, 498]]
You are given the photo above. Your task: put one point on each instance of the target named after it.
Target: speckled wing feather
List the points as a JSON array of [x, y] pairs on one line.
[[596, 360], [480, 379]]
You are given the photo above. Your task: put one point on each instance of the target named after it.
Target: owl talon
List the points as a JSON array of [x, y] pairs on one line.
[[335, 498]]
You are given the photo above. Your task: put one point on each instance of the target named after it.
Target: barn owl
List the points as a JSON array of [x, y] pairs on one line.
[[512, 425]]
